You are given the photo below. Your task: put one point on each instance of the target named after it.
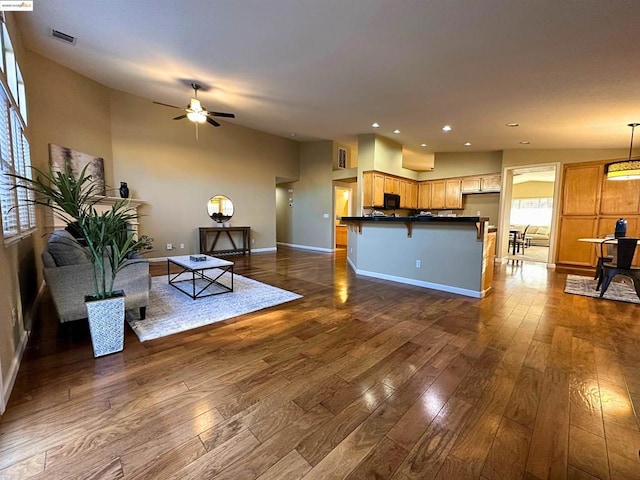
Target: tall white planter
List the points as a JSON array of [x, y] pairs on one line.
[[106, 322]]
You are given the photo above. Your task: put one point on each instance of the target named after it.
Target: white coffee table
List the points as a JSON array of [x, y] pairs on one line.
[[202, 285]]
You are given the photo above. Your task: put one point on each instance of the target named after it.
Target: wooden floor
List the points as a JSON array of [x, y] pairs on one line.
[[360, 378]]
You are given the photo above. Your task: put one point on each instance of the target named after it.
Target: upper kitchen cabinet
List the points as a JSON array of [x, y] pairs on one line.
[[581, 189], [424, 195], [619, 197], [372, 189], [446, 194], [391, 185], [481, 183]]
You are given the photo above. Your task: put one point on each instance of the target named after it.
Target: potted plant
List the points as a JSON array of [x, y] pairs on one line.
[[106, 238]]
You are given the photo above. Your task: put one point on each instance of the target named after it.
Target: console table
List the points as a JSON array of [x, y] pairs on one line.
[[209, 237]]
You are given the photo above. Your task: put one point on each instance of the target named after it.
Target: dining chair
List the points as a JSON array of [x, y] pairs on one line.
[[521, 239], [606, 254], [622, 265]]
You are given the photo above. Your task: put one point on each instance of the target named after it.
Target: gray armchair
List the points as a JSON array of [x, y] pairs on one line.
[[69, 274]]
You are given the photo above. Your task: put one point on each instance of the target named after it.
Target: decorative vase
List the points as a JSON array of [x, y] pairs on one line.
[[621, 228], [106, 323], [124, 190]]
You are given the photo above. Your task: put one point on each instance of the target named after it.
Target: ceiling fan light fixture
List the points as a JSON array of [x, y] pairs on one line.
[[624, 169], [197, 117]]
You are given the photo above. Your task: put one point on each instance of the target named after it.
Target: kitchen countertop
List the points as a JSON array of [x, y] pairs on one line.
[[417, 219]]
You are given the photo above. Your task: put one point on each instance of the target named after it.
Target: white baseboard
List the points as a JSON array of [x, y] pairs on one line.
[[263, 250], [420, 283], [306, 247], [13, 371], [17, 358]]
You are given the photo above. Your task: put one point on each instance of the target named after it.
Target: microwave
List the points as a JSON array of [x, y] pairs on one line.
[[391, 201]]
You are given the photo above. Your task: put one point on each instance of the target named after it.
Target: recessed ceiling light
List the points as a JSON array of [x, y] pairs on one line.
[[512, 124], [467, 144], [396, 131], [446, 128], [423, 144], [375, 125], [525, 142]]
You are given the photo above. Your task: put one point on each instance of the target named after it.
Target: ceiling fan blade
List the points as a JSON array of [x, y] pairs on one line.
[[167, 105], [213, 122], [222, 114], [180, 117]]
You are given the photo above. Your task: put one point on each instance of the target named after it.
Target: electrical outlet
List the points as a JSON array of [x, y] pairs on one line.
[[14, 317], [169, 246], [418, 264], [182, 245], [325, 215], [253, 240]]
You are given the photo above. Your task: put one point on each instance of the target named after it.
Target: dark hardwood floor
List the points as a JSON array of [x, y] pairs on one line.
[[360, 378]]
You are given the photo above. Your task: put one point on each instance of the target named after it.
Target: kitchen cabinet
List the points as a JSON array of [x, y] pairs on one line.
[[581, 190], [446, 194], [453, 194], [470, 185], [437, 194], [372, 189], [619, 197], [481, 184], [412, 194], [391, 185], [424, 195], [341, 235], [591, 205], [490, 183]]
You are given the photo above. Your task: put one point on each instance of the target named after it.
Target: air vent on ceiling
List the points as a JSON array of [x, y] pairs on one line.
[[63, 36]]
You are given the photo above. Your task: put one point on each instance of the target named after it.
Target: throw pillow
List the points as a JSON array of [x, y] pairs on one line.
[[65, 249]]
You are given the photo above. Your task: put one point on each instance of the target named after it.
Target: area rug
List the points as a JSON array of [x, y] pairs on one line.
[[171, 311], [620, 291]]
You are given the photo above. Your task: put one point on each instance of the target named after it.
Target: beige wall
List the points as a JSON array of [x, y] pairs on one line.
[[488, 204], [532, 190], [460, 164], [164, 165], [313, 197], [515, 158], [18, 278], [284, 212]]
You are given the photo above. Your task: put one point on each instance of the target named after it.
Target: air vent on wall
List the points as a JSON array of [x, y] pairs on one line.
[[63, 36]]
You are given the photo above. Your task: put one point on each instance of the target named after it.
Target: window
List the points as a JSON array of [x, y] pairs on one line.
[[18, 211], [531, 211]]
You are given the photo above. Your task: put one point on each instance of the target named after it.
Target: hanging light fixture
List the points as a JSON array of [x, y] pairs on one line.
[[625, 169]]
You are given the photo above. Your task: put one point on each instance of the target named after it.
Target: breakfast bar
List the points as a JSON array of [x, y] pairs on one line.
[[452, 254]]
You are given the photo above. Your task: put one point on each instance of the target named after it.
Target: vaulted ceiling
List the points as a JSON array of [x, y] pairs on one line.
[[568, 72]]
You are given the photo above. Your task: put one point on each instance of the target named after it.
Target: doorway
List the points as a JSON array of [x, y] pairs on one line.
[[342, 204], [530, 198]]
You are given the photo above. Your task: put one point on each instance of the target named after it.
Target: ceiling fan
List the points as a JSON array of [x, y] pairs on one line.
[[196, 112]]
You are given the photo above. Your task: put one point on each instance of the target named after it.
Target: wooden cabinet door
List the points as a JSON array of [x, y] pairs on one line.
[[570, 250], [378, 190], [490, 183], [470, 185], [424, 195], [453, 195], [581, 189], [372, 189], [607, 226], [391, 185], [619, 197], [412, 193], [402, 191], [367, 189], [438, 194]]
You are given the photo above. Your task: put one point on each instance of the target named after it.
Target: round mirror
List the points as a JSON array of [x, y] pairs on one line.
[[220, 208]]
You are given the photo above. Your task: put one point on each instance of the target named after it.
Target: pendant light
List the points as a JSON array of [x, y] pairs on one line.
[[626, 169]]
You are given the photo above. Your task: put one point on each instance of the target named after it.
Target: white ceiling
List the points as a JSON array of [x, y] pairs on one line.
[[567, 71]]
